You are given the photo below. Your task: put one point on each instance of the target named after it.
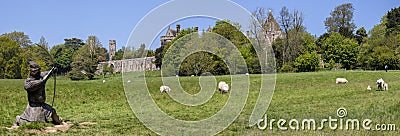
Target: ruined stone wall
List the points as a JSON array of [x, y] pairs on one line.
[[129, 65]]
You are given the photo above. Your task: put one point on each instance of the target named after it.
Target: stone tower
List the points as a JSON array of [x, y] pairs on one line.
[[272, 28], [112, 47]]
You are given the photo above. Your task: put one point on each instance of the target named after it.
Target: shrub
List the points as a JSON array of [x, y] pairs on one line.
[[287, 68], [308, 62]]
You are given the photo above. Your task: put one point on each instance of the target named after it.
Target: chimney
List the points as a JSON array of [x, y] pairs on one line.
[[178, 28], [196, 29]]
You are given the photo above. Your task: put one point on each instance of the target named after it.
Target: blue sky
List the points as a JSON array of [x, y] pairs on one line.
[[57, 20]]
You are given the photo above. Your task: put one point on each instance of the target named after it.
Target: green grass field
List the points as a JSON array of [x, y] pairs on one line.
[[297, 96]]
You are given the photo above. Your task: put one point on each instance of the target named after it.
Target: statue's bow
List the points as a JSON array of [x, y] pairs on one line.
[[52, 71]]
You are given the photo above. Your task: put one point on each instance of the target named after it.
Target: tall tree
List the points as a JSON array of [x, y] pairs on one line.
[[257, 30], [341, 20], [10, 59], [293, 30], [119, 55], [361, 34], [63, 57], [74, 43], [26, 53], [96, 50], [20, 37], [85, 60], [341, 50], [380, 48], [393, 20]]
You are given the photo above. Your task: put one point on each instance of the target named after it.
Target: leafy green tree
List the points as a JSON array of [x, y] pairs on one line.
[[10, 59], [319, 42], [63, 58], [231, 31], [82, 64], [308, 62], [196, 64], [361, 34], [119, 54], [340, 49], [308, 43], [159, 54], [20, 37], [74, 43], [341, 20], [393, 20], [25, 53], [40, 55], [381, 48], [86, 59], [107, 69]]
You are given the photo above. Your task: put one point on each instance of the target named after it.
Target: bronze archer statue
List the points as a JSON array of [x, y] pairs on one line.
[[37, 110]]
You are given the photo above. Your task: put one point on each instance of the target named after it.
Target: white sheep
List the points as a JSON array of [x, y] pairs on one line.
[[223, 87], [165, 89], [247, 74], [104, 81], [385, 86], [369, 88], [341, 80], [380, 83]]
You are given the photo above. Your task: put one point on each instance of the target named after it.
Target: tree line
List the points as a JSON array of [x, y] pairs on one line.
[[74, 58], [341, 46]]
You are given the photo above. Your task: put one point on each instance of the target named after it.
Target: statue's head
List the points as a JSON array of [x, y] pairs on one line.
[[34, 69]]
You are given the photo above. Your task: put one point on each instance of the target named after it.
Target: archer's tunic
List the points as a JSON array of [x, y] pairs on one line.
[[37, 109]]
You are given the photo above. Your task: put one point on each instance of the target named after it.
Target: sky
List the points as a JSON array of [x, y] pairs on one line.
[[116, 20]]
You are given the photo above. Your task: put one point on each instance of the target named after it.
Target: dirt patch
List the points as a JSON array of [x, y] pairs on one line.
[[57, 128]]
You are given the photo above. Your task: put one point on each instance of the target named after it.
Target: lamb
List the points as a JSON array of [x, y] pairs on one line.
[[369, 88], [380, 83], [223, 87], [385, 86], [341, 80], [165, 89]]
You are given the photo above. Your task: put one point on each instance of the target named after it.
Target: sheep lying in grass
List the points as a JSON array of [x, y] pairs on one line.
[[223, 87], [165, 89], [380, 83], [341, 80], [369, 88]]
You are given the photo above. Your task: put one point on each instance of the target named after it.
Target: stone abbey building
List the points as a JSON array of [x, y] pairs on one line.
[[126, 65], [271, 27]]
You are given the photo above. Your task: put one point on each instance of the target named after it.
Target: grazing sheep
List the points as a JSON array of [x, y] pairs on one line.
[[369, 88], [341, 80], [129, 81], [165, 89], [223, 87], [385, 86], [247, 74], [104, 81], [192, 75], [380, 83]]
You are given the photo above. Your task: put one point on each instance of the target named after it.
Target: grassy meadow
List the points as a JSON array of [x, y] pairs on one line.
[[297, 96]]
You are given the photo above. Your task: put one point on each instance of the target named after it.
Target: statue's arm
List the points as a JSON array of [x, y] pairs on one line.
[[32, 85], [44, 73]]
